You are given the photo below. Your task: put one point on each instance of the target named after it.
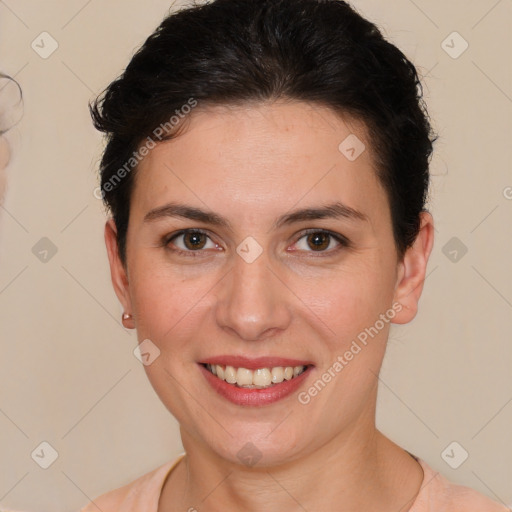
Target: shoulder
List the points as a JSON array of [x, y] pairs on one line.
[[144, 491], [437, 494]]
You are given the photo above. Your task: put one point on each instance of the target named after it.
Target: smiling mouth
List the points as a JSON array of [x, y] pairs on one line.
[[260, 378]]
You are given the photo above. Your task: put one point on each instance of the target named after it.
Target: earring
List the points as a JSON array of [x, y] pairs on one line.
[[127, 321]]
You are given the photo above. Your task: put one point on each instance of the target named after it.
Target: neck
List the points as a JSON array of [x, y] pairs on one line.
[[359, 470]]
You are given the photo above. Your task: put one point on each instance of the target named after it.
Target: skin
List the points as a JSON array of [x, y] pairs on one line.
[[251, 165], [4, 160], [10, 113]]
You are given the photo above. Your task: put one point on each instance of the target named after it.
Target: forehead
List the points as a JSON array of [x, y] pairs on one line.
[[260, 156]]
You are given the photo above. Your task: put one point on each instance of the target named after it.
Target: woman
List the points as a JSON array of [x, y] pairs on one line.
[[267, 171]]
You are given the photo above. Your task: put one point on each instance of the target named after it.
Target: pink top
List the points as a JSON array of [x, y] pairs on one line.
[[436, 494]]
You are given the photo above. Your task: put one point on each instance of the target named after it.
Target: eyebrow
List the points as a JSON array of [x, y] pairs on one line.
[[333, 211]]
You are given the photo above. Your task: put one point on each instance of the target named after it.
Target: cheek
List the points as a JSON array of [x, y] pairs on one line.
[[168, 304], [347, 301]]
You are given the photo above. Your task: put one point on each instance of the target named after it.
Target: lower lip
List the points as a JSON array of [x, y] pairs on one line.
[[247, 396]]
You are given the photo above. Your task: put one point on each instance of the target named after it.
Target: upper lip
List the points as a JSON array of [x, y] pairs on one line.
[[254, 363]]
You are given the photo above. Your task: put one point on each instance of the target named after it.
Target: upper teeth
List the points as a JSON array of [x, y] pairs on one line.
[[260, 378]]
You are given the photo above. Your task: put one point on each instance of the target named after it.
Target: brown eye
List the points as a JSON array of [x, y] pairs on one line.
[[194, 240], [319, 241], [190, 241]]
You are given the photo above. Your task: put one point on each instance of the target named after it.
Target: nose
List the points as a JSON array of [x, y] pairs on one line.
[[253, 302]]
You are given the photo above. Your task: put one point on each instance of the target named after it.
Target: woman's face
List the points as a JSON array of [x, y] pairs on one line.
[[260, 282]]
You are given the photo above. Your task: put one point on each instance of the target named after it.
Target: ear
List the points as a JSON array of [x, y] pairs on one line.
[[118, 273], [412, 270]]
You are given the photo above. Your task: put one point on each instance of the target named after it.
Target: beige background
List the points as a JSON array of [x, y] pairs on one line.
[[68, 374]]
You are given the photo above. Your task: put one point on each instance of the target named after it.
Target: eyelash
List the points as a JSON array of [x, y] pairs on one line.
[[342, 241]]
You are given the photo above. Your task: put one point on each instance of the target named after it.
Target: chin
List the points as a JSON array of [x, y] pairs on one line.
[[251, 447]]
